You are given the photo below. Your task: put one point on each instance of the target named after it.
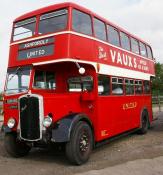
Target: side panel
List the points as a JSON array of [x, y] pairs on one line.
[[120, 114], [81, 48], [60, 105], [120, 58]]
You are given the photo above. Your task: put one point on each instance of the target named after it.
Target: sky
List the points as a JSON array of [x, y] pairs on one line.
[[143, 18]]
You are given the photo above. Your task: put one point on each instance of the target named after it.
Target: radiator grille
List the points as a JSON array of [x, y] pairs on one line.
[[29, 118]]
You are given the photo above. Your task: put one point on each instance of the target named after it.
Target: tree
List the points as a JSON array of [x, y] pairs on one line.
[[157, 82], [1, 96]]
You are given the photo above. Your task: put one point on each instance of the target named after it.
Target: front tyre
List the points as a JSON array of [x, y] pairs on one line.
[[14, 147], [79, 147]]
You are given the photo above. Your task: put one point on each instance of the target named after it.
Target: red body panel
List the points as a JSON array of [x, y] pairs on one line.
[[68, 46], [115, 118]]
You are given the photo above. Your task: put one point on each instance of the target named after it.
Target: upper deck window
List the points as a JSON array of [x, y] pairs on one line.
[[149, 51], [24, 29], [134, 45], [113, 36], [143, 51], [81, 22], [125, 42], [99, 29], [53, 21]]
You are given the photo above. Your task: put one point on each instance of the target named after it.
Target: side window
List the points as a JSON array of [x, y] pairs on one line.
[[149, 52], [143, 49], [129, 87], [44, 80], [134, 46], [117, 86], [50, 80], [99, 29], [74, 84], [138, 87], [81, 22], [39, 81], [103, 85], [125, 42], [113, 36], [24, 29], [78, 84], [147, 88], [53, 21]]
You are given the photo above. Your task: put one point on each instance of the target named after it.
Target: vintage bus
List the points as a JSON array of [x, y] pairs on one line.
[[74, 79]]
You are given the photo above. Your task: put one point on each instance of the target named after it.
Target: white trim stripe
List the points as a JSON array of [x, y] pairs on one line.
[[125, 73], [105, 69], [39, 37], [82, 35]]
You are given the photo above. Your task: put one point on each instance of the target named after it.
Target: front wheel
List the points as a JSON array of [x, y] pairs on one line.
[[14, 147], [79, 147]]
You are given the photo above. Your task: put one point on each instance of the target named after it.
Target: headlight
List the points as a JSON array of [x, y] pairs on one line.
[[11, 123], [47, 121]]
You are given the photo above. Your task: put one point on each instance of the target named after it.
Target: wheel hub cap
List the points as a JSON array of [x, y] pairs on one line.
[[84, 143]]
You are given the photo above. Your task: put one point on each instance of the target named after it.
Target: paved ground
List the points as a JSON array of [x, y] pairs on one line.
[[137, 167], [1, 120], [134, 154]]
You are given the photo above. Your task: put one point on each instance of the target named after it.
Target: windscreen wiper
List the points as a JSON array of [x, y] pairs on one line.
[[14, 74]]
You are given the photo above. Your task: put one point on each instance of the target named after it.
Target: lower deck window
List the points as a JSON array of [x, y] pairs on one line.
[[129, 87], [147, 88], [138, 87], [78, 84], [103, 85], [44, 80], [117, 86]]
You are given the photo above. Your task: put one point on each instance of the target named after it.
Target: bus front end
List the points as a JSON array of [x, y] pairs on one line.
[[43, 104]]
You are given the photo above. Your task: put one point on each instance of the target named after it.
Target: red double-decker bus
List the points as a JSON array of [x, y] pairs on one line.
[[76, 79]]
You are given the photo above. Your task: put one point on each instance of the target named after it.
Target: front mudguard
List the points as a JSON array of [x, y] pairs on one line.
[[62, 131]]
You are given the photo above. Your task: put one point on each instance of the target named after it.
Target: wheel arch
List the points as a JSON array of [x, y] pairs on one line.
[[62, 132]]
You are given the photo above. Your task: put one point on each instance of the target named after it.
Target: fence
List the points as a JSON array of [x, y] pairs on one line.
[[157, 101]]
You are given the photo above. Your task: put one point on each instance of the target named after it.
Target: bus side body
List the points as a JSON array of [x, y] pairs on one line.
[[110, 97]]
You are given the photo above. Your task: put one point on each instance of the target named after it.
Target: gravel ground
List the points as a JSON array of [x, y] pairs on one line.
[[129, 148]]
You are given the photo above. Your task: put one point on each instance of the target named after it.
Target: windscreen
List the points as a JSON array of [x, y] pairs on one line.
[[17, 80], [24, 29]]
